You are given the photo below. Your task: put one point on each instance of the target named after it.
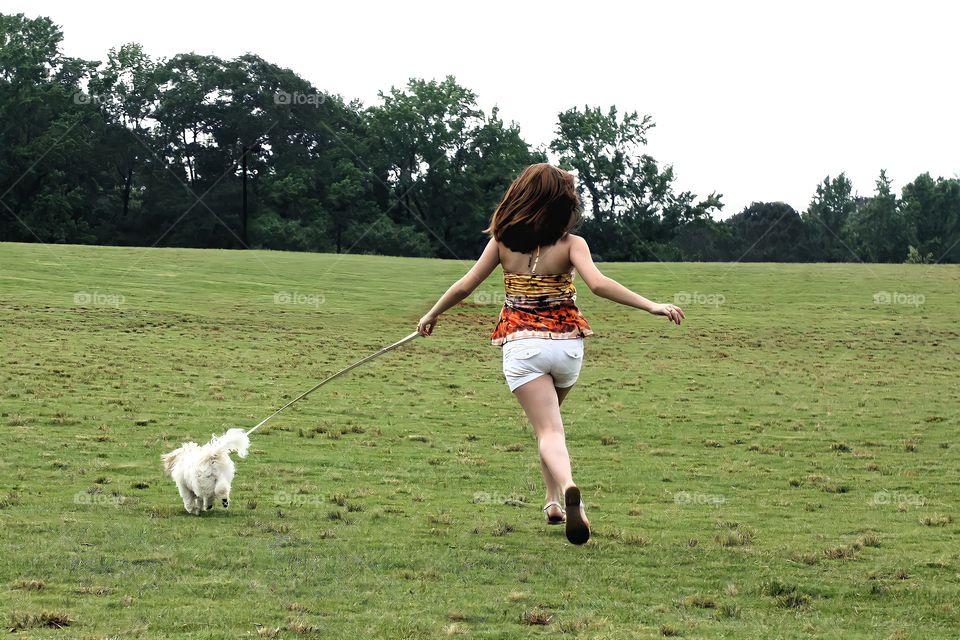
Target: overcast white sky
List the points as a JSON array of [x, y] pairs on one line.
[[756, 100]]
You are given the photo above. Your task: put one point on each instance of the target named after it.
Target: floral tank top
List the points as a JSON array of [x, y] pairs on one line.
[[539, 306]]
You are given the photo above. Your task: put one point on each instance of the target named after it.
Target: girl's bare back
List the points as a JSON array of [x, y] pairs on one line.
[[553, 259]]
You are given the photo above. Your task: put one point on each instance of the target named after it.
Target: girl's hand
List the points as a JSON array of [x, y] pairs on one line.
[[671, 311], [426, 325]]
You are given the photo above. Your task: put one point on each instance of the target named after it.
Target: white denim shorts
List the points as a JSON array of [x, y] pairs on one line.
[[527, 359]]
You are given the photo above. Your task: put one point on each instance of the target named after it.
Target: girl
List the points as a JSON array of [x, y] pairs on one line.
[[541, 330]]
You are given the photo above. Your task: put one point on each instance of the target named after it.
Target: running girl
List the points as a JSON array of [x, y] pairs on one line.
[[540, 329]]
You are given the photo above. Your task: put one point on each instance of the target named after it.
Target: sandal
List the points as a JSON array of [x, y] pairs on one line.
[[578, 529], [554, 519]]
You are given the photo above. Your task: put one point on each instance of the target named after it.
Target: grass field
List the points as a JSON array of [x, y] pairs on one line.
[[784, 465]]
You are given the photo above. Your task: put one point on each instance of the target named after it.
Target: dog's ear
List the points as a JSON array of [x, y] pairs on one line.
[[170, 460]]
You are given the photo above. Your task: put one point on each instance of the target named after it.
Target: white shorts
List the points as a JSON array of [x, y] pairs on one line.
[[527, 359]]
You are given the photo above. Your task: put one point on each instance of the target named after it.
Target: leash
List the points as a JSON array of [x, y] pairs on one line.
[[336, 375]]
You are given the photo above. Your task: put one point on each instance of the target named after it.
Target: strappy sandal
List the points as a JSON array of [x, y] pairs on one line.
[[578, 530], [554, 519]]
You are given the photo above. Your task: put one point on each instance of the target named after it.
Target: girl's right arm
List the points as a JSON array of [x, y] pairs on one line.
[[610, 289], [488, 261]]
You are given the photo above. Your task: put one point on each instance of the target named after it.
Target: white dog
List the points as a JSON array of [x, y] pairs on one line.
[[205, 473]]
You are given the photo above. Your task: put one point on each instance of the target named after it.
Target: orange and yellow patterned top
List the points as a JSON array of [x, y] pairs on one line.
[[539, 306]]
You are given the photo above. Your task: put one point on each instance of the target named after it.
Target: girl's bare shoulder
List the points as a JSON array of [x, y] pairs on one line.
[[572, 240]]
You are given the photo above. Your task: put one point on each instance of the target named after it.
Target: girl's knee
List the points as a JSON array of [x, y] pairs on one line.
[[551, 438]]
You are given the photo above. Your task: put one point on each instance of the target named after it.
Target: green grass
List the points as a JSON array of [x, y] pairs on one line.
[[782, 465]]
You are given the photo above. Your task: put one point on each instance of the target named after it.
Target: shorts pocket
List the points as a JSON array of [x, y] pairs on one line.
[[574, 353], [517, 361], [522, 354]]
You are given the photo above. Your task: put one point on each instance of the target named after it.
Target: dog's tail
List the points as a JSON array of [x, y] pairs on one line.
[[232, 440], [170, 459]]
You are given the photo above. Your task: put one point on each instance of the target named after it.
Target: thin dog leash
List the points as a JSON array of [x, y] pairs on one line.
[[336, 375]]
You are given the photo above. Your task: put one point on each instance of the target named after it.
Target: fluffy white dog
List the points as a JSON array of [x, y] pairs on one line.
[[205, 473]]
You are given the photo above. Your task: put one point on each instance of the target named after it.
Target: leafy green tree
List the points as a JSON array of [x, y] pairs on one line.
[[827, 217], [876, 229], [49, 137], [769, 232], [915, 257], [126, 89], [606, 153], [705, 240], [632, 209], [931, 209], [314, 139], [444, 163], [300, 146]]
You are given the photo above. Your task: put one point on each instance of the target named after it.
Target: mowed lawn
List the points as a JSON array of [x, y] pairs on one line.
[[783, 465]]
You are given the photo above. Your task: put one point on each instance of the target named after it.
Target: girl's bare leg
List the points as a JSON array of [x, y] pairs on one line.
[[541, 402], [554, 492]]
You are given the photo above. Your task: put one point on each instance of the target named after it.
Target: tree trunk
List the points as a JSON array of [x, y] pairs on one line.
[[186, 156], [127, 184]]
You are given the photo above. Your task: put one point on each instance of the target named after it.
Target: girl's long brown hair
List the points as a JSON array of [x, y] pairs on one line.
[[540, 207]]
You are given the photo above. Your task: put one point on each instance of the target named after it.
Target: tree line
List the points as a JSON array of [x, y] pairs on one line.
[[141, 151]]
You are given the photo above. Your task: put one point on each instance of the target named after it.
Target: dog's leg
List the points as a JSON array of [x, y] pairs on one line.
[[189, 499], [222, 491], [207, 503]]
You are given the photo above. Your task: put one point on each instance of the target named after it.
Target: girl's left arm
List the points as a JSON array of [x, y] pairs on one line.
[[463, 287]]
